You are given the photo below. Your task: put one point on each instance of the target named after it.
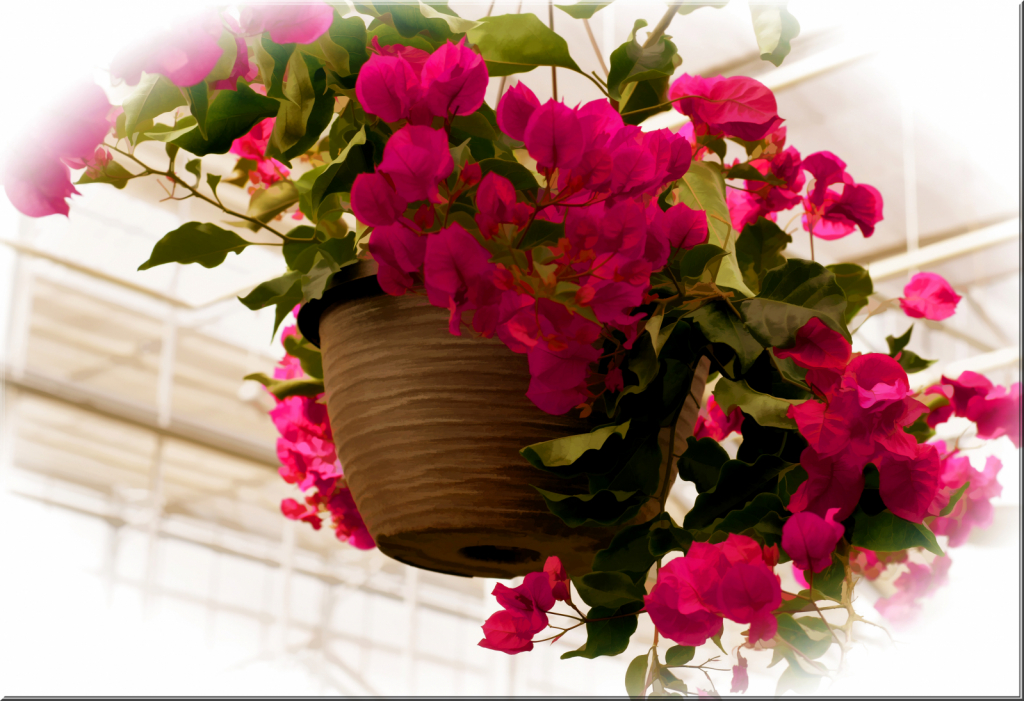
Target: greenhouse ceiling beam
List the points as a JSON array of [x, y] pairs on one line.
[[781, 78], [947, 248], [145, 417], [120, 282], [985, 362]]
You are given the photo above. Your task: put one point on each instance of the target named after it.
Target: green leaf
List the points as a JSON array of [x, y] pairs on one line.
[[542, 233], [609, 589], [745, 171], [774, 28], [688, 6], [763, 514], [759, 250], [272, 60], [791, 630], [605, 508], [565, 451], [349, 33], [315, 281], [632, 62], [282, 389], [282, 292], [789, 297], [195, 166], [520, 177], [898, 344], [701, 263], [338, 176], [113, 173], [703, 187], [518, 44], [195, 242], [301, 96], [410, 19], [738, 483], [198, 97], [766, 409], [608, 631], [232, 114], [953, 499], [645, 99], [585, 9], [678, 655], [267, 203], [628, 550], [636, 677], [830, 580], [476, 124], [441, 11], [908, 360], [702, 463], [309, 355], [155, 95], [887, 532], [720, 325], [795, 679], [167, 132], [856, 284]]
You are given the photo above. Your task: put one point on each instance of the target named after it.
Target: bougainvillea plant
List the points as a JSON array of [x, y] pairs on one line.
[[615, 258]]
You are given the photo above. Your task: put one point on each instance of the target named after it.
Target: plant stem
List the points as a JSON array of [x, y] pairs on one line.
[[554, 74], [662, 24], [178, 181], [593, 43]]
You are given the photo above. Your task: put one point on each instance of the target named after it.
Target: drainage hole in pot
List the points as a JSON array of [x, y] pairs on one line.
[[500, 553]]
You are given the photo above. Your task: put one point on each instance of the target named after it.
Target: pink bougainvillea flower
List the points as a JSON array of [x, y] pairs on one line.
[[558, 378], [184, 54], [919, 582], [940, 414], [686, 227], [253, 147], [287, 24], [297, 512], [974, 509], [454, 80], [728, 579], [36, 180], [818, 347], [416, 158], [388, 87], [39, 187], [997, 413], [553, 137], [832, 214], [713, 422], [375, 201], [242, 68], [399, 252], [558, 579], [965, 388], [515, 108], [507, 632], [740, 680], [496, 205], [457, 274], [810, 540], [736, 106], [532, 599], [929, 296], [908, 485]]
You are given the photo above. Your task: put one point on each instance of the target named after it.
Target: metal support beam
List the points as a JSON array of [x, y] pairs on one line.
[[944, 250]]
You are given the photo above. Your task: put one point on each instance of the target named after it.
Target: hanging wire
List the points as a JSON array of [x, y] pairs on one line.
[[504, 78], [551, 26], [597, 49]]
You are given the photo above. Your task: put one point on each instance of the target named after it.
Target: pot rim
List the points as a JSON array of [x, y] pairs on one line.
[[351, 282]]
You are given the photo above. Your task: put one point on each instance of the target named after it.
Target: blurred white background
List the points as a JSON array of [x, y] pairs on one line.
[[140, 542]]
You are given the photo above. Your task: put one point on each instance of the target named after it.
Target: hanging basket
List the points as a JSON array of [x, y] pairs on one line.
[[428, 428]]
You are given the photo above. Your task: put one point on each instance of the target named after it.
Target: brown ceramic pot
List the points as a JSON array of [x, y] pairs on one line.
[[428, 428]]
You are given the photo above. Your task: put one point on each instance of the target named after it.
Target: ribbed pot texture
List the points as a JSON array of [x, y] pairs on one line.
[[428, 428]]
